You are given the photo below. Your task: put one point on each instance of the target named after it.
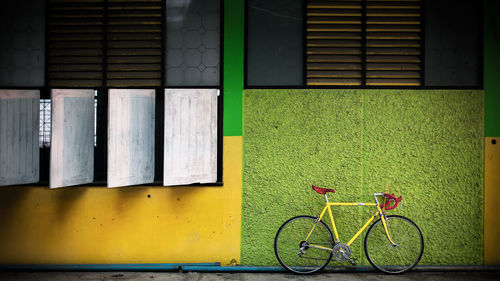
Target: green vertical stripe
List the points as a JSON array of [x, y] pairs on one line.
[[492, 68], [234, 26]]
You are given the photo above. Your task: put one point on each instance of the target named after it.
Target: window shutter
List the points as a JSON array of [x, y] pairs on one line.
[[113, 43], [190, 145], [131, 137], [75, 43], [334, 42], [364, 43], [19, 152], [393, 43], [134, 42], [72, 139]]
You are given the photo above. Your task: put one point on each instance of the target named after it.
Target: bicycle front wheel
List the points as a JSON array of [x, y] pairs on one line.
[[398, 258], [298, 255]]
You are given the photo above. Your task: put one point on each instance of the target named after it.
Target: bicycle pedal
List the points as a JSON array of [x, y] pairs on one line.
[[352, 261]]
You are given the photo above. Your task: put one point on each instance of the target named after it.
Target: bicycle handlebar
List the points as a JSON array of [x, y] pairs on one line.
[[391, 199]]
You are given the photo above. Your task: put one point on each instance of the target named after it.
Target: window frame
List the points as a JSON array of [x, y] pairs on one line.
[[100, 149], [480, 56]]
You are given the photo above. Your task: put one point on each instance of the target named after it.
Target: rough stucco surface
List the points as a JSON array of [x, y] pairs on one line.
[[424, 144]]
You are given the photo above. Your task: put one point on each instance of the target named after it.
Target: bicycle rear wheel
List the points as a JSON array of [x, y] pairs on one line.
[[294, 253], [399, 258]]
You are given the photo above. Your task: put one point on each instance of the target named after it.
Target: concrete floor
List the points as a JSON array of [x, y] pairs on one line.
[[164, 276]]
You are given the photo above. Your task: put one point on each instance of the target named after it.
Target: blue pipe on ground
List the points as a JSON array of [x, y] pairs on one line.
[[216, 267]]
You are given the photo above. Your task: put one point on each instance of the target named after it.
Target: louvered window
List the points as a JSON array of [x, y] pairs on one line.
[[334, 42], [393, 43], [75, 43], [134, 41], [112, 43], [364, 43]]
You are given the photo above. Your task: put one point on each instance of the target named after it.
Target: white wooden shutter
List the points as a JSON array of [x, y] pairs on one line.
[[190, 144], [72, 138], [19, 144], [131, 137]]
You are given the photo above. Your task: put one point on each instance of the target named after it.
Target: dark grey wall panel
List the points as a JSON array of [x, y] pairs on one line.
[[453, 43], [274, 43], [22, 58]]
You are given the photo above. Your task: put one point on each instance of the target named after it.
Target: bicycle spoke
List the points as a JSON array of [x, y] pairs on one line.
[[294, 253], [387, 257]]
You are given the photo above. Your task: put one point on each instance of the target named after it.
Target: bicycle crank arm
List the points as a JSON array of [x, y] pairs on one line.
[[348, 258]]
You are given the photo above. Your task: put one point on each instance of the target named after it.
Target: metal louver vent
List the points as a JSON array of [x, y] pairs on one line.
[[364, 43], [334, 42], [134, 41], [75, 43], [105, 43], [393, 43]]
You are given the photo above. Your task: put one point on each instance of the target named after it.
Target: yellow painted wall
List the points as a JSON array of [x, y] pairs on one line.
[[77, 225], [492, 202]]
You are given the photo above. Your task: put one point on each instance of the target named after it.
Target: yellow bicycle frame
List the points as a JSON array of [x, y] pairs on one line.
[[337, 239]]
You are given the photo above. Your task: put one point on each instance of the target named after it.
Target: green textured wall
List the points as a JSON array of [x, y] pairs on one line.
[[428, 144]]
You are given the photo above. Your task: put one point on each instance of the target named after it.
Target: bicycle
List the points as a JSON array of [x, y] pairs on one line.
[[393, 244]]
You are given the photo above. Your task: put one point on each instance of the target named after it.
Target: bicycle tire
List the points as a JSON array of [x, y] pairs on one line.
[[289, 239], [394, 259]]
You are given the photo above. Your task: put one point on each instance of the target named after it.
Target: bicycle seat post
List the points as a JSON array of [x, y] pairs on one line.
[[326, 198]]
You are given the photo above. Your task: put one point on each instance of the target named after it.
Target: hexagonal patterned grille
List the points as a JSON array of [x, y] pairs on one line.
[[22, 43], [193, 43]]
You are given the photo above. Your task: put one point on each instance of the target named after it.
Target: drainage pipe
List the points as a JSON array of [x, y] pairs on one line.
[[355, 269], [216, 267], [102, 267]]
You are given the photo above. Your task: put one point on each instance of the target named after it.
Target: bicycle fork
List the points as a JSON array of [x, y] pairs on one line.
[[386, 228], [384, 219]]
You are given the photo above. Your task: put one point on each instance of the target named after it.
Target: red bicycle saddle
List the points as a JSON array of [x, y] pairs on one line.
[[322, 190]]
